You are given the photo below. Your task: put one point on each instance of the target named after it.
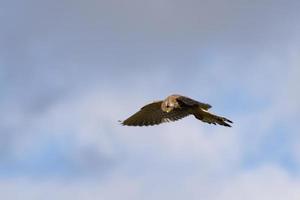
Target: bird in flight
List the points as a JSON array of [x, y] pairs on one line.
[[173, 108]]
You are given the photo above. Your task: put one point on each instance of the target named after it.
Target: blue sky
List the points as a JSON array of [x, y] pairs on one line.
[[69, 70]]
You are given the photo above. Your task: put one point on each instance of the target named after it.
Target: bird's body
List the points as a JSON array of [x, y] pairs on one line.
[[173, 108]]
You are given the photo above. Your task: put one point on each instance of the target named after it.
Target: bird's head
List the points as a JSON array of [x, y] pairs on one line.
[[168, 105]]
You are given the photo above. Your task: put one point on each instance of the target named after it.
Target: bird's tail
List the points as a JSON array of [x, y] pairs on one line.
[[210, 118]]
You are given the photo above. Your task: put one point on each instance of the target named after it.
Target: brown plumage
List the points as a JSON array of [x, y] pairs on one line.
[[173, 108]]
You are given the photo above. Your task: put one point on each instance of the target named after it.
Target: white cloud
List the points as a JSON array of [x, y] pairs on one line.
[[267, 182]]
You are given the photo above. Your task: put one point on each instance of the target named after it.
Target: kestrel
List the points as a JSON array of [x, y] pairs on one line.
[[173, 108]]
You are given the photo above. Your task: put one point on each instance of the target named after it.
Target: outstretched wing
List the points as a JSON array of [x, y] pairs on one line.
[[191, 102], [152, 114]]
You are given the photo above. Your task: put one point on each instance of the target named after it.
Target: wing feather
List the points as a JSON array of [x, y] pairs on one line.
[[152, 114], [191, 102]]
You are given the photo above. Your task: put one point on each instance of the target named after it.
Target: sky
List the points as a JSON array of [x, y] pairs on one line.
[[69, 70]]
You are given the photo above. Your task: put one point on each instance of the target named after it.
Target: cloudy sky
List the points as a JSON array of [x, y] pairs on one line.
[[69, 70]]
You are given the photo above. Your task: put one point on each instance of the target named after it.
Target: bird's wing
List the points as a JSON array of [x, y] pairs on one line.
[[152, 114], [191, 102], [210, 118]]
